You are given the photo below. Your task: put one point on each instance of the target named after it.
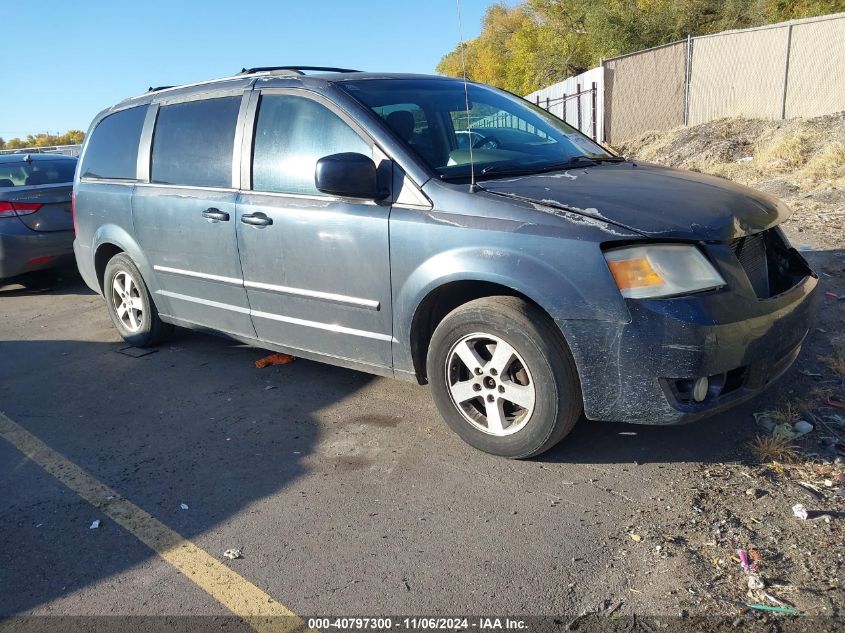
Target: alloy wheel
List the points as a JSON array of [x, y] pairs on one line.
[[126, 300], [490, 384]]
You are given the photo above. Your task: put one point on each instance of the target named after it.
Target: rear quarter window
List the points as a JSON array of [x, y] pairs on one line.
[[112, 151], [193, 142], [41, 172]]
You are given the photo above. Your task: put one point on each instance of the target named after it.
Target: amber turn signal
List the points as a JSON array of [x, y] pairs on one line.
[[634, 273]]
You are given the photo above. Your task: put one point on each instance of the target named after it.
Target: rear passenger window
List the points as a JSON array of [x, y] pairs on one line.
[[193, 143], [291, 135], [112, 150]]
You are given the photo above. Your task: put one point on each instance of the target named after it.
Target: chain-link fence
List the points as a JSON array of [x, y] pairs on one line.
[[645, 91], [777, 71]]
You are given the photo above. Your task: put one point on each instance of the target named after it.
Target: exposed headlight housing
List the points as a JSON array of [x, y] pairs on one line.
[[661, 270]]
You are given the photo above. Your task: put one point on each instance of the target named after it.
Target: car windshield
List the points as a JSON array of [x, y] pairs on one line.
[[501, 134], [22, 173]]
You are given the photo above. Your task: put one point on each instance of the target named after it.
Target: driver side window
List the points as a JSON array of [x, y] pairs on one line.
[[411, 124], [292, 133]]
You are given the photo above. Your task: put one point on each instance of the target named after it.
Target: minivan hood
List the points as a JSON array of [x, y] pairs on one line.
[[655, 201]]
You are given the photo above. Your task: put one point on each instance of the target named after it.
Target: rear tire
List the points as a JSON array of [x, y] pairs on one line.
[[130, 305], [503, 378]]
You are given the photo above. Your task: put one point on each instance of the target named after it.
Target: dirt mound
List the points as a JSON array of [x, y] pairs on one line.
[[801, 161]]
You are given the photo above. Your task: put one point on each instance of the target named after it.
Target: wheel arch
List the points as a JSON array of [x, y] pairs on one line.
[[440, 301], [110, 240], [450, 278]]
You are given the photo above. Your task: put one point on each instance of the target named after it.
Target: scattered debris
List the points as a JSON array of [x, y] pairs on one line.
[[810, 488], [232, 553], [765, 607], [184, 506], [95, 525], [800, 511], [835, 403], [274, 359], [755, 582], [802, 427], [745, 561]]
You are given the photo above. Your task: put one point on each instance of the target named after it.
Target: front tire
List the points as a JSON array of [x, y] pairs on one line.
[[130, 305], [503, 378]]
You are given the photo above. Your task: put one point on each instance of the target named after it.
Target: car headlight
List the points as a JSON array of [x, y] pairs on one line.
[[661, 270]]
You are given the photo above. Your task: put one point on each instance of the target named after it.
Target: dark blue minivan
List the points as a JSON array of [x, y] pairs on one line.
[[442, 232]]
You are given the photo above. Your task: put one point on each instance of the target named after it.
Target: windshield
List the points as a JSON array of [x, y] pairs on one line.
[[504, 134], [38, 172]]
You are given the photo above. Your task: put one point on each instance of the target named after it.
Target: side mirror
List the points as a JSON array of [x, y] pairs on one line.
[[348, 175]]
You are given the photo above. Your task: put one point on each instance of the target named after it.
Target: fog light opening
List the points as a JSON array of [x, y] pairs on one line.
[[700, 389]]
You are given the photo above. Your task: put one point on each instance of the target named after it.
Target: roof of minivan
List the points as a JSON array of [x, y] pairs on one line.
[[273, 79]]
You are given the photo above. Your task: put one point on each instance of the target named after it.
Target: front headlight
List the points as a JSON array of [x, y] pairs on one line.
[[661, 270]]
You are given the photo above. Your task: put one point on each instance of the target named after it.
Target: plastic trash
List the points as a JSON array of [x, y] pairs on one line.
[[765, 607], [184, 506], [745, 561], [800, 511], [95, 525], [802, 427], [755, 582], [232, 553], [784, 430], [274, 359], [765, 422]]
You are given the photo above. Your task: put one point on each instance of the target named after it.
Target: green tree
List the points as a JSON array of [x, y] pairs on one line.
[[539, 42], [71, 137]]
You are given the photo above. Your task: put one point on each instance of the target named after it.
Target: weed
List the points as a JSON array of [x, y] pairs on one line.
[[773, 450]]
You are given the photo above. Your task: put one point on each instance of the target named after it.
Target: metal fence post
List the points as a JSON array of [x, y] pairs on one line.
[[786, 72], [578, 92], [687, 79], [593, 116]]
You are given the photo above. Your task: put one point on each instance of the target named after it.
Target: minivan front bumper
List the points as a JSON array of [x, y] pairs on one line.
[[637, 371]]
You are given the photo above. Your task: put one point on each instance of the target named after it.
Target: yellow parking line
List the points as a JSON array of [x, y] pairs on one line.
[[234, 592]]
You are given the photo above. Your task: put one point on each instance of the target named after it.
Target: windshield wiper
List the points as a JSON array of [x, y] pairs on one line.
[[518, 170], [502, 170]]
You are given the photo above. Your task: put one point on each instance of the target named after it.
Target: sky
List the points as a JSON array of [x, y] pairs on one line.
[[83, 56]]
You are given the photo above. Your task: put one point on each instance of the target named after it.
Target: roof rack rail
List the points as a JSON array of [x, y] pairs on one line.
[[157, 88], [296, 70]]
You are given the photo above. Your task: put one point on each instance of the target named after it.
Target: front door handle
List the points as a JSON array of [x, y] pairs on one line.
[[256, 219], [215, 214]]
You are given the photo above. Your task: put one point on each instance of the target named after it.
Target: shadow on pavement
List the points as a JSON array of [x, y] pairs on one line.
[[195, 423]]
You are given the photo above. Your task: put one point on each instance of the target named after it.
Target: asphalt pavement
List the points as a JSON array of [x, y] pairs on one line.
[[345, 493]]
